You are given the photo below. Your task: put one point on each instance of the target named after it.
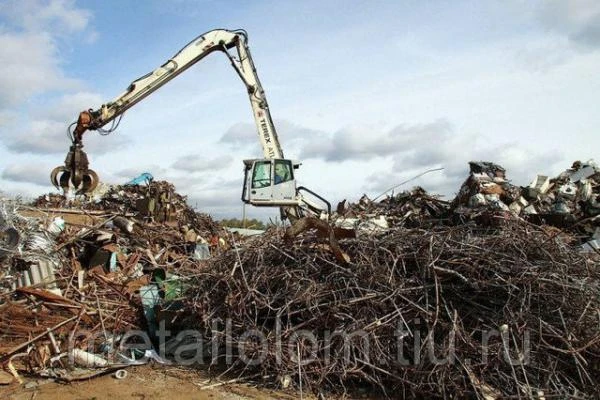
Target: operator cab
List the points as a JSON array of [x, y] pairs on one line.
[[270, 182]]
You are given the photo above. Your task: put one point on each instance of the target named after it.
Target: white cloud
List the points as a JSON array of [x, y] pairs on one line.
[[67, 107], [7, 117], [29, 49], [239, 135], [579, 20], [29, 67], [28, 173], [292, 137], [39, 15], [47, 136], [543, 54], [362, 142], [45, 129], [40, 137], [199, 163]]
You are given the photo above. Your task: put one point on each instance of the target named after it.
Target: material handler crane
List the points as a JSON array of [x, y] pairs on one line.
[[268, 182]]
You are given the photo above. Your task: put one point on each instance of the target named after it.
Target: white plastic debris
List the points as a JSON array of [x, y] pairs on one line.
[[373, 225], [494, 201], [530, 209], [148, 355], [515, 208], [585, 190], [89, 360], [121, 374], [56, 226], [201, 252]]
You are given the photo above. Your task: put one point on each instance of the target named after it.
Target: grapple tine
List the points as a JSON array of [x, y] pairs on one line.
[[76, 177], [65, 178], [94, 180], [89, 182], [54, 176]]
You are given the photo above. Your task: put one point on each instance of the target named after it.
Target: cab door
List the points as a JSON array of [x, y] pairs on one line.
[[261, 184], [284, 184]]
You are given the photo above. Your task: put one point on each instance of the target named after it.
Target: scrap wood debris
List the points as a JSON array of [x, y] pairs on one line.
[[441, 295]]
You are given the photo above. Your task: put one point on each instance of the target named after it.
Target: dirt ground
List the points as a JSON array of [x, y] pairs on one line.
[[142, 383]]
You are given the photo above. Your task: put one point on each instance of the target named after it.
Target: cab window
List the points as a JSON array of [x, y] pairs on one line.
[[283, 171], [261, 176]]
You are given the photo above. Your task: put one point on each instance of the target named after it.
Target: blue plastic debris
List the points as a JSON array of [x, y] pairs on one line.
[[143, 179]]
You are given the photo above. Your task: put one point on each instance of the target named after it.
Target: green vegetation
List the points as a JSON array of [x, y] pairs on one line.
[[246, 223]]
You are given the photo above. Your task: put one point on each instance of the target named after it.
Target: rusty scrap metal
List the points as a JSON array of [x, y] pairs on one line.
[[479, 265], [465, 292]]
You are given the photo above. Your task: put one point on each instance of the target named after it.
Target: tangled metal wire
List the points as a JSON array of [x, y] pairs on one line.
[[512, 311]]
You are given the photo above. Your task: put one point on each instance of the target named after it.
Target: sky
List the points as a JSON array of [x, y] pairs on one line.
[[366, 94]]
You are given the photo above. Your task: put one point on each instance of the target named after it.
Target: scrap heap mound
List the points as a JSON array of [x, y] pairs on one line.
[[72, 278], [485, 188], [493, 295], [156, 200], [411, 209], [451, 300], [570, 201], [452, 311]]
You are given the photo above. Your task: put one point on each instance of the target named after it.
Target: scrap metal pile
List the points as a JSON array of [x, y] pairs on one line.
[[414, 208], [155, 200], [569, 201], [493, 295], [70, 289], [464, 299], [448, 312]]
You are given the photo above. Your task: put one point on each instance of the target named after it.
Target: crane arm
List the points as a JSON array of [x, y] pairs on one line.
[[196, 50], [284, 193]]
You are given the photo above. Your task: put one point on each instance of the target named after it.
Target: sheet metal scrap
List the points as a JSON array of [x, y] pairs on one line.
[[42, 325], [10, 238]]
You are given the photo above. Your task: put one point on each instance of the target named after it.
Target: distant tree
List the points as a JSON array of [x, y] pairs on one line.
[[247, 223]]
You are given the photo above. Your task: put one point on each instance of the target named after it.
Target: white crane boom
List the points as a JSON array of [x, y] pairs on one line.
[[268, 182]]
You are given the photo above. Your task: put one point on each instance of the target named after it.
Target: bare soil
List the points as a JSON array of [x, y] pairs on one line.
[[142, 383]]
